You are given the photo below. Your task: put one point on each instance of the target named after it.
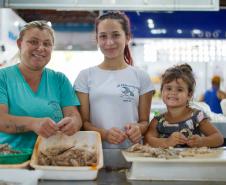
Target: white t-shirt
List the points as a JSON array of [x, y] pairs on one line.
[[113, 96]]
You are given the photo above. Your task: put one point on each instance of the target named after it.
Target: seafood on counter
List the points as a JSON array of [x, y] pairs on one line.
[[75, 157], [173, 153], [198, 152], [64, 156], [148, 151], [6, 149]]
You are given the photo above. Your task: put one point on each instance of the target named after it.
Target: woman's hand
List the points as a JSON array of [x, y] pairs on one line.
[[68, 126], [44, 127], [133, 132], [176, 138], [115, 136], [195, 141]]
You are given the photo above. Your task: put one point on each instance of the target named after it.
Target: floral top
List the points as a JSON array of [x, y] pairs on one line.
[[188, 127]]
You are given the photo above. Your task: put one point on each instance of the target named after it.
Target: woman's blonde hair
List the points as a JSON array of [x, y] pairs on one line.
[[42, 25]]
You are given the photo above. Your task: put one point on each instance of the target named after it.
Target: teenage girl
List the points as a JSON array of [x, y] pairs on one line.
[[115, 96]]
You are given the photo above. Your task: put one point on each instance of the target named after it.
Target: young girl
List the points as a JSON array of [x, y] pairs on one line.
[[115, 97], [181, 125]]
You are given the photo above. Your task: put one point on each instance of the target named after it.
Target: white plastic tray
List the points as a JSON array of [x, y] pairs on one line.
[[15, 166], [20, 176], [89, 138], [192, 169]]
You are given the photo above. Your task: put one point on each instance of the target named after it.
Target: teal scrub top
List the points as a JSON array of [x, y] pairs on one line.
[[54, 92]]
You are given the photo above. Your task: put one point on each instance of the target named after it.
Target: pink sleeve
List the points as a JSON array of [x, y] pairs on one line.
[[201, 116]]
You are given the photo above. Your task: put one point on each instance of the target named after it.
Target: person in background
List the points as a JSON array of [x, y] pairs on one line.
[[181, 125], [115, 97], [213, 96], [35, 100]]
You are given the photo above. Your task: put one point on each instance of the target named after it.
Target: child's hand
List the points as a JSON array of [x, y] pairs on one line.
[[176, 138], [115, 136], [133, 132], [195, 141]]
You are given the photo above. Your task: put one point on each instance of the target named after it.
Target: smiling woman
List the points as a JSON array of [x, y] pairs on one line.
[[52, 102], [35, 49]]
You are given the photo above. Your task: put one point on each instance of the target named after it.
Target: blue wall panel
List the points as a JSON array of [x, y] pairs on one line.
[[210, 25]]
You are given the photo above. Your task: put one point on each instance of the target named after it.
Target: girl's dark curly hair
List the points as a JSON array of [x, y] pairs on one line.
[[184, 72]]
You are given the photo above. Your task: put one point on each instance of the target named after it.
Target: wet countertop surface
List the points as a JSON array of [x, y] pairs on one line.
[[118, 177], [114, 173]]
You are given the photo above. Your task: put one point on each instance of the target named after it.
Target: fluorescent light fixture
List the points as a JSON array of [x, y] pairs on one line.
[[150, 23], [158, 31], [196, 31], [139, 5], [179, 31]]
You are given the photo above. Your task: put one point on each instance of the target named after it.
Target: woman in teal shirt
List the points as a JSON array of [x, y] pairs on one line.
[[35, 100]]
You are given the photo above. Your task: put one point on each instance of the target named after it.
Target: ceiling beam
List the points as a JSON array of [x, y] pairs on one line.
[[133, 5]]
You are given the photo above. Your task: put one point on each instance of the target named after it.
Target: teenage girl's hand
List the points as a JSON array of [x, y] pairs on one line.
[[133, 132], [176, 138], [115, 136], [68, 126], [45, 127], [195, 141]]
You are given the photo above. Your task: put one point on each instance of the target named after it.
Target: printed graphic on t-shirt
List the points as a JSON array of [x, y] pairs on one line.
[[57, 113], [128, 92]]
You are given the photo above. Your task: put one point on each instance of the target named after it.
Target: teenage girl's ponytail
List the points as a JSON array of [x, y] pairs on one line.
[[127, 56]]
